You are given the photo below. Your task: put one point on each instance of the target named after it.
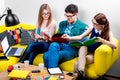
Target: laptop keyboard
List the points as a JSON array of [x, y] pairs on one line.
[[12, 51]]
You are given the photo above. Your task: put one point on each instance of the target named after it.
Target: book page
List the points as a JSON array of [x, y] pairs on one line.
[[76, 43], [85, 43], [90, 41]]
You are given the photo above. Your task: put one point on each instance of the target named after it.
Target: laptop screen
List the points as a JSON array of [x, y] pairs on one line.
[[5, 44]]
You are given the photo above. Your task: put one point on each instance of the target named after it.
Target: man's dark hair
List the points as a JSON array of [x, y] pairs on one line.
[[71, 8]]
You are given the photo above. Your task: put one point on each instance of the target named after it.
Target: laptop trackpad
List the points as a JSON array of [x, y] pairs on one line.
[[18, 52]]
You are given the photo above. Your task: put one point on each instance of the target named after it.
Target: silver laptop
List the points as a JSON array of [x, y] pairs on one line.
[[10, 51]]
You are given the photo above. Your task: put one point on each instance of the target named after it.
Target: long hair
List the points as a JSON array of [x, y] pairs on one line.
[[40, 18], [102, 20]]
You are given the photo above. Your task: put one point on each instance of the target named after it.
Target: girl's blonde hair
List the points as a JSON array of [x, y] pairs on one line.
[[40, 18]]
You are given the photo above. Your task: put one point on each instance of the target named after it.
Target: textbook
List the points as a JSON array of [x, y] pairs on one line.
[[85, 43]]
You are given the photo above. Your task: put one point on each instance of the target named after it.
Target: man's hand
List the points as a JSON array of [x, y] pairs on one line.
[[65, 36]]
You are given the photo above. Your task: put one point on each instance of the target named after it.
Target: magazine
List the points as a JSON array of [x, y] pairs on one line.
[[85, 43]]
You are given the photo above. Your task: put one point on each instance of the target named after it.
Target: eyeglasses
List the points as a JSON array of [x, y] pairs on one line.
[[70, 16], [44, 14]]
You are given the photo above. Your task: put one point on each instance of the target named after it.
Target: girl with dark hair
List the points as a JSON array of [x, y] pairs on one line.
[[101, 30]]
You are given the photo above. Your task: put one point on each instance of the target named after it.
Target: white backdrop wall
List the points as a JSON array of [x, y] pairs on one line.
[[27, 10], [2, 8]]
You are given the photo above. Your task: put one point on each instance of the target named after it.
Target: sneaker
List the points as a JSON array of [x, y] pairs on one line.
[[80, 75]]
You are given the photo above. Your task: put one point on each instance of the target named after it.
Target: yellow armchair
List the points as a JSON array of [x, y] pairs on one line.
[[104, 58]]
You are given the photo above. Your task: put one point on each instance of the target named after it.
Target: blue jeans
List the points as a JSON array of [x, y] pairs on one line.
[[33, 49], [59, 52]]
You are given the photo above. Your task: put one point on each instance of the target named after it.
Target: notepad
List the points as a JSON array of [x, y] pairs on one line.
[[19, 74]]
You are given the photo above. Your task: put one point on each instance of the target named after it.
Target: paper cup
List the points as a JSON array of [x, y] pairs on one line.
[[16, 66], [26, 62], [41, 66]]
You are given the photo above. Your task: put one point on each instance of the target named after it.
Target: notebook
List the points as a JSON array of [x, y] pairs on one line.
[[9, 51], [22, 74]]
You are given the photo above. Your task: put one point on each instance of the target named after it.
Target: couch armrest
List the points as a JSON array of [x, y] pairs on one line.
[[103, 59]]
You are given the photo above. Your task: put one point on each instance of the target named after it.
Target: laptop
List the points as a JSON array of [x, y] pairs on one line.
[[10, 51]]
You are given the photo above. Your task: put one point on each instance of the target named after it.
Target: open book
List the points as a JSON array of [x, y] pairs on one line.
[[57, 38], [85, 43]]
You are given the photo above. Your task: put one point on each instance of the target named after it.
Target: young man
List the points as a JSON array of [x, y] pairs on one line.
[[60, 52]]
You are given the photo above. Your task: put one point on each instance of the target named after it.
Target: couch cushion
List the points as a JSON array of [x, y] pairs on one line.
[[68, 65], [26, 37], [10, 39], [2, 29], [27, 26], [90, 71], [16, 34], [5, 63], [38, 59]]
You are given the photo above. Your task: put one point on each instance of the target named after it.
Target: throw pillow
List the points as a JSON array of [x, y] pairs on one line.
[[10, 39], [16, 34], [26, 37]]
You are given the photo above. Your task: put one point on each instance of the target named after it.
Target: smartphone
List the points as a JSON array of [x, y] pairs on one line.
[[70, 74]]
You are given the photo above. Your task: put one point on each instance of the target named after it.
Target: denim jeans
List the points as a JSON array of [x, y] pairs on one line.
[[59, 52], [34, 48]]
